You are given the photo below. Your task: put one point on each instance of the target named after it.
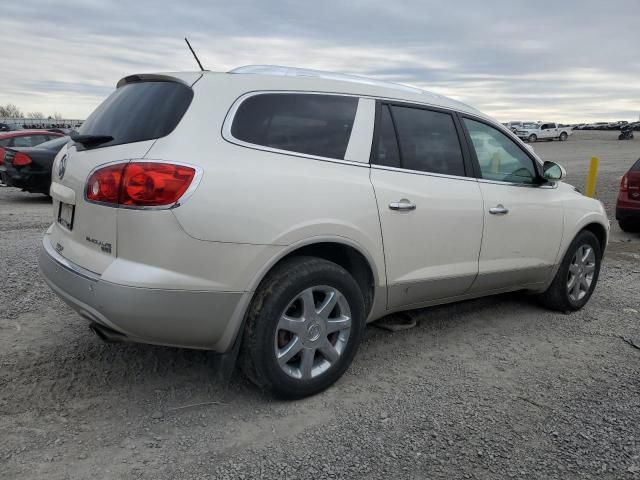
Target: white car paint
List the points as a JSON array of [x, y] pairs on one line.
[[254, 205]]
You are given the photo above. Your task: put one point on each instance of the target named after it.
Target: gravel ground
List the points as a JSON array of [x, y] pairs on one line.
[[489, 388]]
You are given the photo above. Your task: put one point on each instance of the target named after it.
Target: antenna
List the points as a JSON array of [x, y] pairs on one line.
[[194, 53]]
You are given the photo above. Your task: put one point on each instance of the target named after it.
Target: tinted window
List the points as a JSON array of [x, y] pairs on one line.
[[304, 123], [387, 152], [499, 157], [4, 142], [428, 141], [27, 140], [56, 144], [139, 111], [636, 166]]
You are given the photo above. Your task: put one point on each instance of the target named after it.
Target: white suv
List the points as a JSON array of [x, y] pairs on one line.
[[277, 210]]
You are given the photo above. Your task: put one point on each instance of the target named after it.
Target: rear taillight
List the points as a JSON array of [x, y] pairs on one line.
[[624, 183], [2, 154], [140, 184], [104, 184], [21, 160]]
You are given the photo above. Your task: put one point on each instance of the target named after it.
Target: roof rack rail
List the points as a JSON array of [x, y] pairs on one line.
[[307, 72]]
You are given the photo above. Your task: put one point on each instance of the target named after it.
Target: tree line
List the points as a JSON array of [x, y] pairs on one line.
[[12, 111]]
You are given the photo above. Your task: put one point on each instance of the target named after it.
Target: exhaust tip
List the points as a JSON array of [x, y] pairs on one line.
[[107, 335]]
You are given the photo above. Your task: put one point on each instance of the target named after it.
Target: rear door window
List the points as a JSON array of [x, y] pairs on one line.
[[138, 111], [387, 152], [312, 124], [428, 141]]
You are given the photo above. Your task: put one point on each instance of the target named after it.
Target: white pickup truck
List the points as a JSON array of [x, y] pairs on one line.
[[533, 132]]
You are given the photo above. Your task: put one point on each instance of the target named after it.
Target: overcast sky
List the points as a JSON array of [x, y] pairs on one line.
[[562, 60]]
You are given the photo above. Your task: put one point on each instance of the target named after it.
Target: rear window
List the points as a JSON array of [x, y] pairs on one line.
[[139, 111], [312, 124], [636, 166], [29, 140], [56, 143]]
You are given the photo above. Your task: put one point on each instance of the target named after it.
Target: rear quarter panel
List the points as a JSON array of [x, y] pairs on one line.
[[250, 196]]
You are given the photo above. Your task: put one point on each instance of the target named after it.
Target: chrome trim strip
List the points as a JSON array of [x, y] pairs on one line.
[[228, 121], [66, 264], [420, 172], [513, 184], [185, 196]]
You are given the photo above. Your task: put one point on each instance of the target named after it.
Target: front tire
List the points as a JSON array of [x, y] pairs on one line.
[[577, 276], [303, 328]]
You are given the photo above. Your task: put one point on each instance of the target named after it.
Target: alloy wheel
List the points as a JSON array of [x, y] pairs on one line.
[[581, 272], [312, 332]]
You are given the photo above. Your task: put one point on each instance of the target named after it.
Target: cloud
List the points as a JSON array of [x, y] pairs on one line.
[[560, 61]]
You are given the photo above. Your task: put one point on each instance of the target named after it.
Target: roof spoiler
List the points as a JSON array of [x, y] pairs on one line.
[[150, 77]]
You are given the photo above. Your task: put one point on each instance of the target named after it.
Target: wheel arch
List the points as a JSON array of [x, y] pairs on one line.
[[342, 251], [599, 231], [591, 223]]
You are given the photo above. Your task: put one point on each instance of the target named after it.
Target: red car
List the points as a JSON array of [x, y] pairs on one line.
[[628, 206], [27, 138]]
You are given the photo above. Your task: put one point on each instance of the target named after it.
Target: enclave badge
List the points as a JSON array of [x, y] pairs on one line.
[[62, 166]]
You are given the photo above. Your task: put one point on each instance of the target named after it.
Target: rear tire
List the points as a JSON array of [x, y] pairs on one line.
[[577, 276], [563, 137], [303, 327], [630, 227], [532, 138], [621, 137]]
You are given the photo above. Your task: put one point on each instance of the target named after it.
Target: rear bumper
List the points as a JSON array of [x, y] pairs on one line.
[[182, 318], [628, 214], [36, 182]]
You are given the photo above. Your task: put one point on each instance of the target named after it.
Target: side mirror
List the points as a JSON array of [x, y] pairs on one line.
[[553, 171]]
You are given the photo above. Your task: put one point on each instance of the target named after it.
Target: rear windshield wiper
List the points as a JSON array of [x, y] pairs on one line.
[[90, 140]]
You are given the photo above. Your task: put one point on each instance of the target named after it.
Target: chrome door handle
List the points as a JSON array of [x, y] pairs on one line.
[[498, 210], [403, 204]]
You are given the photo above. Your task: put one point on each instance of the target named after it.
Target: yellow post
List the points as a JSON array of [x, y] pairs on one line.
[[590, 189]]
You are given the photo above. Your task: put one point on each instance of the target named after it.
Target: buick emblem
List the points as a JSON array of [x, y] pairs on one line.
[[62, 166]]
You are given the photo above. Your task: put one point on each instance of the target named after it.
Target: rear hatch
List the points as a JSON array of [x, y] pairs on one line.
[[124, 127]]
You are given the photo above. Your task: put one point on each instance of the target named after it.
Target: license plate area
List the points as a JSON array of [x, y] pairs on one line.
[[65, 215]]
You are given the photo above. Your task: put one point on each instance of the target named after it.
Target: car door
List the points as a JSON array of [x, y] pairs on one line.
[[543, 132], [523, 215], [430, 206]]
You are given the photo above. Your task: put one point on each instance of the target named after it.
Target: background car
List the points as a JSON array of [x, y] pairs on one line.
[[543, 131], [62, 130], [27, 138], [628, 205], [29, 168]]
